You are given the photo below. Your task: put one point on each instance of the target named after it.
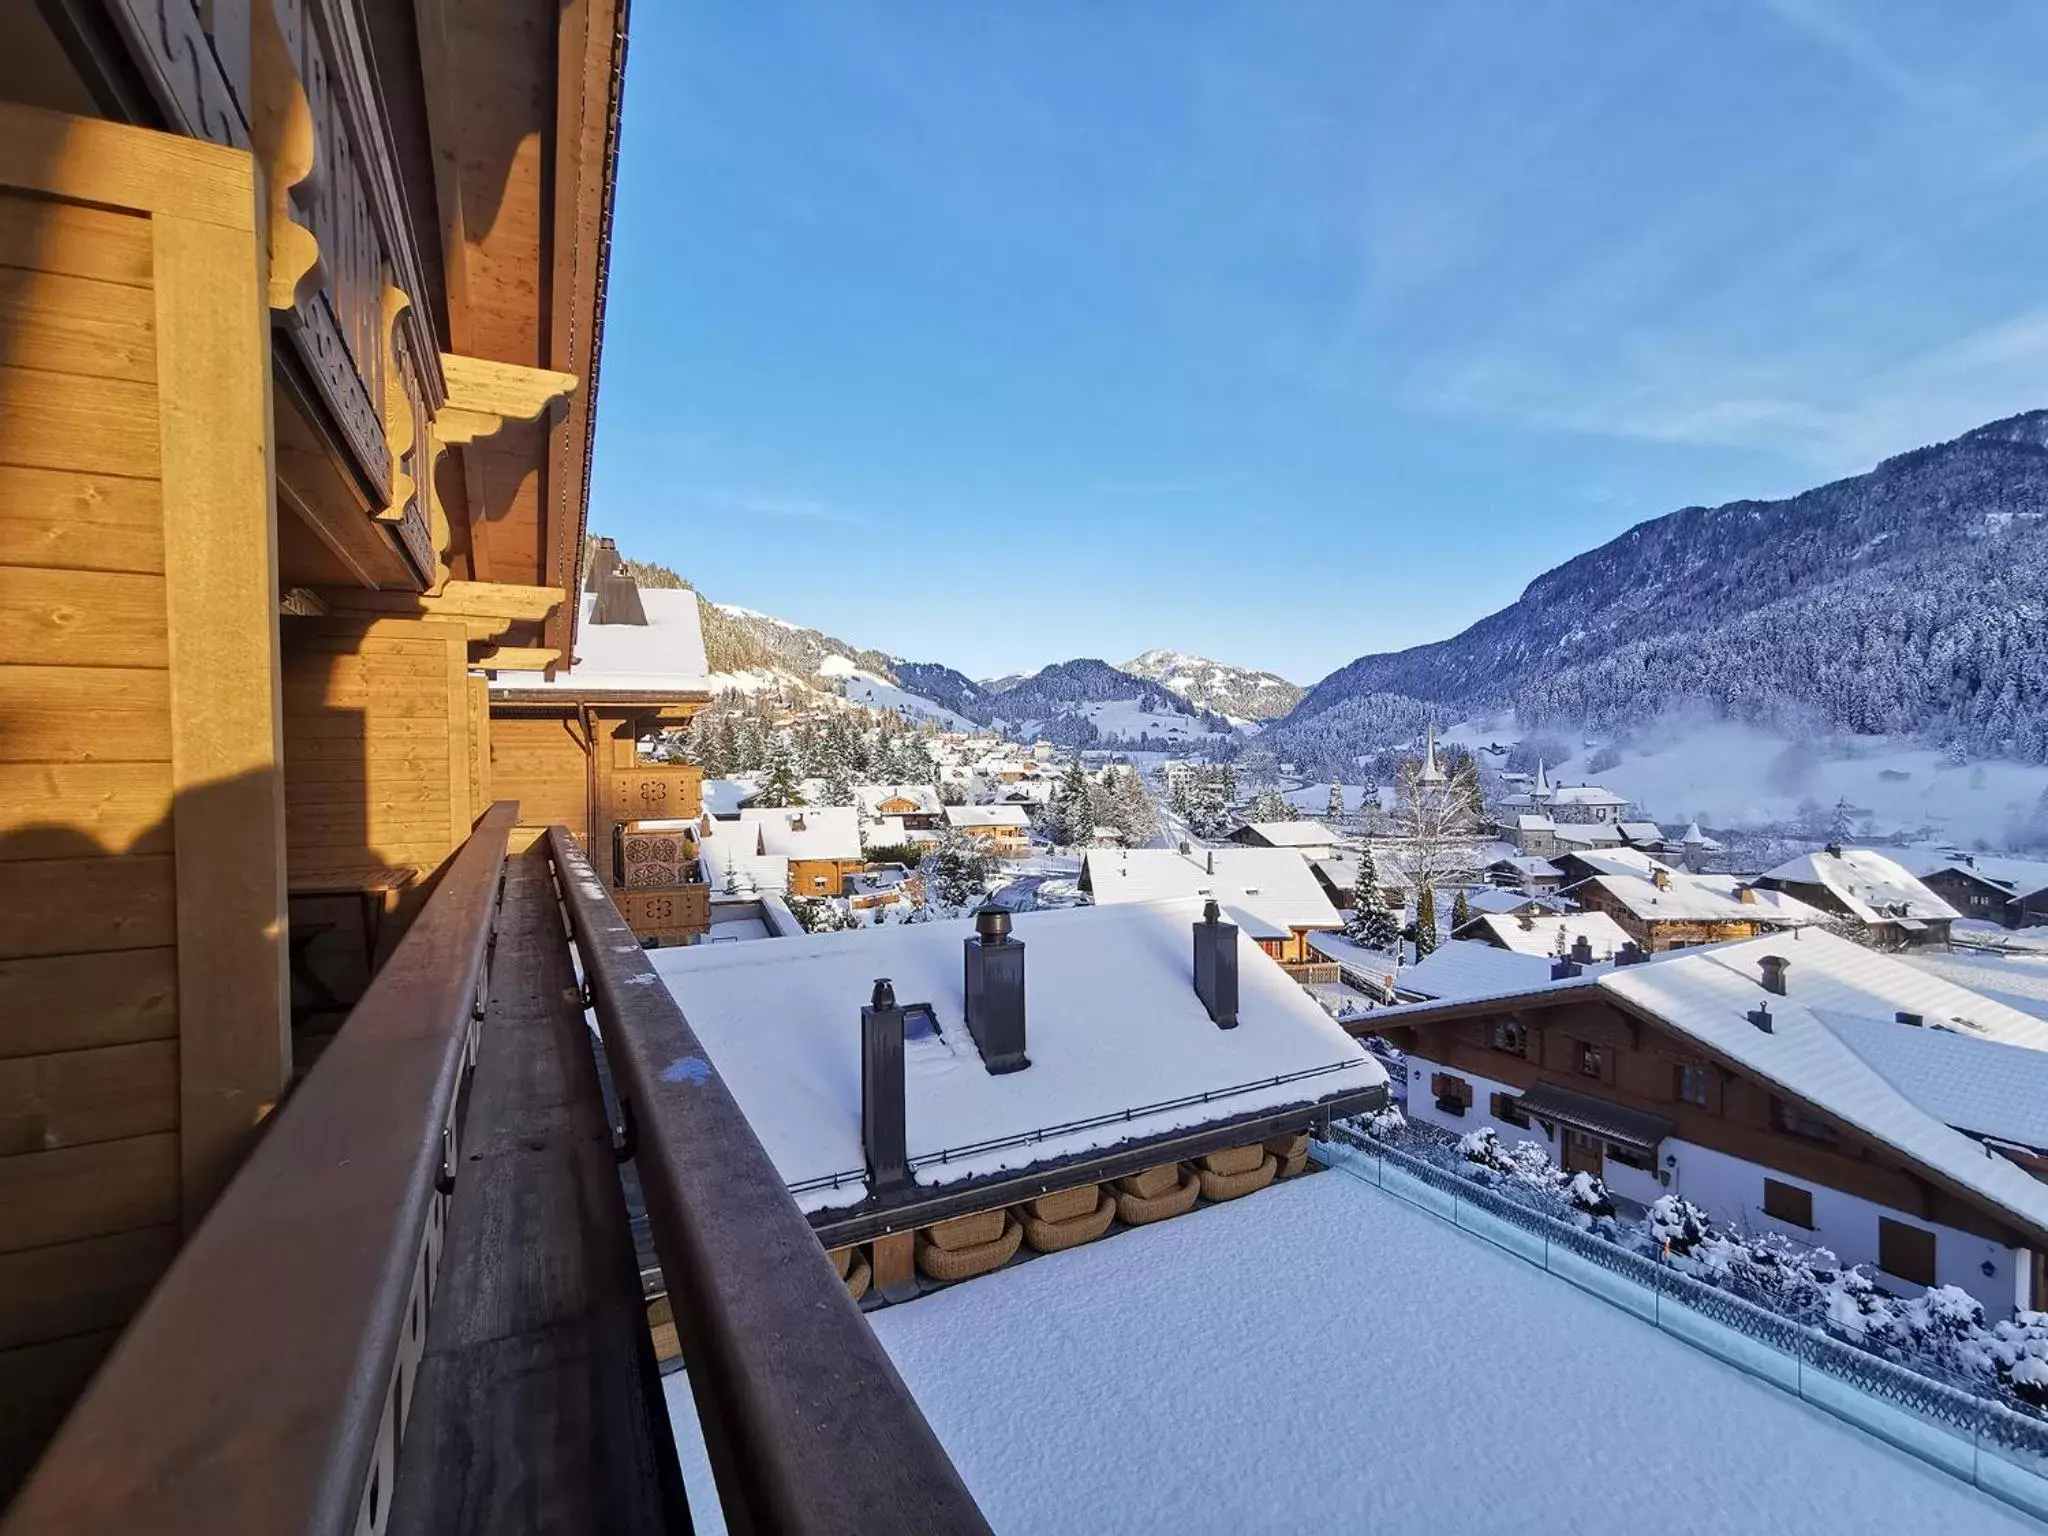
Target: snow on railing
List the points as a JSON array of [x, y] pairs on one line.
[[1975, 1438], [1094, 1122]]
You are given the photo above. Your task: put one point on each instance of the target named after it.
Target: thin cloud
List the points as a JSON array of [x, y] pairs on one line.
[[1823, 24]]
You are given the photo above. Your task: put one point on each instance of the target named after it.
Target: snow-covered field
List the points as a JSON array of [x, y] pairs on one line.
[[1322, 1357], [865, 688], [1727, 774], [1125, 720]]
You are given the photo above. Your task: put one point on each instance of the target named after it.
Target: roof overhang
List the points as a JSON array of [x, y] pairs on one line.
[[1640, 1129]]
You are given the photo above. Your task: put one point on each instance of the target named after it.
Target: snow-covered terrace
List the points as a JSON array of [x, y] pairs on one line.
[[664, 656], [1322, 1357]]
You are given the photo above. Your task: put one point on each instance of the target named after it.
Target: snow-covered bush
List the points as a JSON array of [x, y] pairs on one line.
[[1527, 1164], [1384, 1125], [1677, 1226]]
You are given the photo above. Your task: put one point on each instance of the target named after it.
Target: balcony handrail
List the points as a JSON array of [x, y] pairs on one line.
[[261, 1386], [808, 1426]]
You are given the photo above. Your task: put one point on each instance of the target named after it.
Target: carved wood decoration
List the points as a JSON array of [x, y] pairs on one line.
[[483, 396], [281, 125], [401, 423]]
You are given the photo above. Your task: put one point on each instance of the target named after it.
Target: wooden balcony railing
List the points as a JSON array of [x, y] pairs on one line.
[[808, 1426], [263, 1385]]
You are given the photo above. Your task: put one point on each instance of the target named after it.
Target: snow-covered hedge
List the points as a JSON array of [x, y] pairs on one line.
[[1940, 1333]]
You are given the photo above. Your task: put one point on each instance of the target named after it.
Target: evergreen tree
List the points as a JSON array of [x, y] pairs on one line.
[[1461, 911], [1335, 814], [1425, 922], [1270, 805], [751, 751], [782, 788]]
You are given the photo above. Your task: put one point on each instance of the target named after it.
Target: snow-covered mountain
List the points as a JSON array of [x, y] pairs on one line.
[[1237, 692], [1908, 602], [1082, 702]]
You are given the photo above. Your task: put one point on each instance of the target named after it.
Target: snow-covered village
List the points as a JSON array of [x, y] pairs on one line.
[[1086, 769]]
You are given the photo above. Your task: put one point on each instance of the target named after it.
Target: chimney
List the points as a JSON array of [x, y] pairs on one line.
[[1774, 968], [618, 601], [1908, 1018], [1630, 953], [1528, 921], [1661, 878], [1211, 858], [1746, 895], [1561, 969], [1834, 850], [1582, 950], [881, 1091], [995, 991], [1760, 1016], [1216, 966], [604, 559]]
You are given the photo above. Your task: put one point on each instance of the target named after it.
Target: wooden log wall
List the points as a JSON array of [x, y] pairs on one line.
[[142, 1034]]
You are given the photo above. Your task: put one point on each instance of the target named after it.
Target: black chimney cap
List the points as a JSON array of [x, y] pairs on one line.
[[992, 924], [1774, 968], [1211, 913], [885, 993]]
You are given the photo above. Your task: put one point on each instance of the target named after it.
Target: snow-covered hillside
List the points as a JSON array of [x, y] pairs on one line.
[[1732, 775], [863, 687], [1238, 693]]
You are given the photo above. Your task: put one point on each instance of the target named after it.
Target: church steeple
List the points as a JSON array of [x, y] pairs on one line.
[[1430, 774], [1541, 791]]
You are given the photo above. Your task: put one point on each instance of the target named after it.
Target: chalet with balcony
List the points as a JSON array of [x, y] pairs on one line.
[[299, 350], [1804, 1086], [914, 807], [1006, 829], [939, 1096], [1863, 886], [819, 843], [1988, 887], [1669, 911]]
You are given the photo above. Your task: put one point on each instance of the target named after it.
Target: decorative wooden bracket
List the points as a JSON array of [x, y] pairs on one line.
[[397, 406], [509, 658], [483, 396], [486, 609], [284, 142]]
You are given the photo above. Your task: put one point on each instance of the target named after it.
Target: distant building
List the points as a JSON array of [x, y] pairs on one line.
[[1863, 886], [1669, 911], [1006, 829], [1310, 839], [1269, 892]]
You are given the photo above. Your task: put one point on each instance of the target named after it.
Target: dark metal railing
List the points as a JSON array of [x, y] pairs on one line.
[[807, 1424], [264, 1384]]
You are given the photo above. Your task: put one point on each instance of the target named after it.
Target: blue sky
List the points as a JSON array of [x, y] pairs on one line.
[[997, 334]]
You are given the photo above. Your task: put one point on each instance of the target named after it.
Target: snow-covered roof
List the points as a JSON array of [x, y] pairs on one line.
[[1587, 833], [1980, 1086], [723, 797], [1530, 867], [924, 798], [806, 831], [1680, 901], [2022, 877], [1460, 969], [1641, 831], [1585, 794], [1872, 886], [1538, 934], [1497, 898], [1291, 834], [1617, 861], [1773, 907], [1113, 1024], [1532, 823], [1708, 995], [987, 816], [663, 656], [1273, 886], [730, 861], [1693, 837]]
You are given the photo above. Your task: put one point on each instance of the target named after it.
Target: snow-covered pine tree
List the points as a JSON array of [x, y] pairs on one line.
[[1334, 815], [1425, 922], [1269, 805], [1130, 809], [782, 788], [1461, 911]]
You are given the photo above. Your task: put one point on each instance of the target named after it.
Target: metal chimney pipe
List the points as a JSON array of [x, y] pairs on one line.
[[993, 987], [882, 1134], [1216, 966]]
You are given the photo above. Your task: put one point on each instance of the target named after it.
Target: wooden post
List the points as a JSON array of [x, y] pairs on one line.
[[895, 1261]]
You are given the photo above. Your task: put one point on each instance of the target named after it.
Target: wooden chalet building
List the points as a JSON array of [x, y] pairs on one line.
[[301, 304], [1670, 911], [1863, 886], [1804, 1086]]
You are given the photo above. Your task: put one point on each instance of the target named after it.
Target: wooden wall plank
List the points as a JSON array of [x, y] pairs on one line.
[[81, 618], [80, 906], [73, 1098], [89, 1191], [220, 586], [85, 714], [121, 167], [49, 811], [78, 325], [71, 1002], [62, 421], [462, 815], [76, 522], [75, 240], [70, 1288]]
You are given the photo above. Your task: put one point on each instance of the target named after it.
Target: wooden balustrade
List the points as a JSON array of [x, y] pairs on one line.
[[263, 1385], [808, 1426]]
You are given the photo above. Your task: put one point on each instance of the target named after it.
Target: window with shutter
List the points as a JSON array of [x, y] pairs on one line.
[[1905, 1250], [1788, 1202]]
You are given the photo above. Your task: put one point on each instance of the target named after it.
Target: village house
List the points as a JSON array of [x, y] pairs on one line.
[[916, 807], [1016, 1082], [1863, 886], [1670, 911], [1533, 875], [1270, 892], [1807, 1087], [1337, 874], [821, 843], [1593, 934], [1005, 829], [1988, 887], [1310, 839], [1533, 834]]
